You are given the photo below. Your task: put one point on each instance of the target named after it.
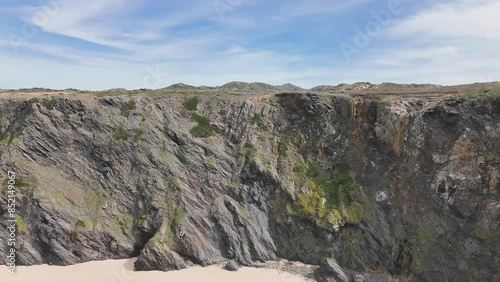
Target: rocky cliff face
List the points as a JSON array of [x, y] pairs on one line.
[[408, 187]]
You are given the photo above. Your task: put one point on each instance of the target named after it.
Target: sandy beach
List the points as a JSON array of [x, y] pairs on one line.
[[122, 271]]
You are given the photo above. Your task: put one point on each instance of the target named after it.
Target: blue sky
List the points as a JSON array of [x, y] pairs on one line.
[[102, 44]]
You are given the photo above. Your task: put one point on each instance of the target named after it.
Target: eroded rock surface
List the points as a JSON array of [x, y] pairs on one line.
[[406, 189]]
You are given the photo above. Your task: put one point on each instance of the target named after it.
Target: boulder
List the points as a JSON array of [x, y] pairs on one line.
[[231, 265]]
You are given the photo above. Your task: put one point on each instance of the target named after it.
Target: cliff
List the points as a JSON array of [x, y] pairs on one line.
[[405, 186]]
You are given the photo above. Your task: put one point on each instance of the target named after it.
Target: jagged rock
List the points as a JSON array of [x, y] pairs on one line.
[[330, 270], [231, 265], [240, 227], [381, 183], [155, 257]]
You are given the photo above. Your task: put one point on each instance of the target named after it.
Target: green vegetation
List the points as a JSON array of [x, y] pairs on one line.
[[46, 103], [387, 236], [77, 227], [300, 168], [60, 198], [111, 92], [331, 197], [128, 107], [94, 204], [283, 146], [5, 141], [300, 237], [121, 227], [211, 162], [490, 237], [156, 92], [273, 100], [422, 239], [222, 113], [191, 104], [256, 120], [312, 206], [475, 147], [10, 137], [422, 234], [159, 240], [122, 224], [5, 187], [173, 217], [141, 221], [355, 212], [27, 182], [21, 226], [353, 247], [174, 181], [138, 135], [246, 151], [380, 100], [171, 211], [481, 93], [80, 224], [491, 156], [242, 210], [204, 128], [24, 184], [120, 134]]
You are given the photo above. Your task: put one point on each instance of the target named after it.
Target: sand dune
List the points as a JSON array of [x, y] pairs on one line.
[[121, 271]]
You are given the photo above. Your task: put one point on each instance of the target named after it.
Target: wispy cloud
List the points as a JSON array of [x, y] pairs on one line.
[[78, 19], [449, 43], [98, 44], [467, 19]]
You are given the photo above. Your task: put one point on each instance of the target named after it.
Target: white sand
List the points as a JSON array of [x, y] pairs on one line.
[[121, 271]]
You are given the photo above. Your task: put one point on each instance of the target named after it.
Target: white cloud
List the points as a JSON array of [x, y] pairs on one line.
[[447, 44], [468, 19], [78, 19], [105, 22], [452, 43]]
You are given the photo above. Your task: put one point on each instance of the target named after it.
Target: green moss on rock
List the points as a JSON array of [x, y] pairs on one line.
[[80, 224], [204, 129], [257, 120], [331, 197], [490, 237], [21, 225], [191, 104], [127, 108], [47, 103], [120, 134]]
